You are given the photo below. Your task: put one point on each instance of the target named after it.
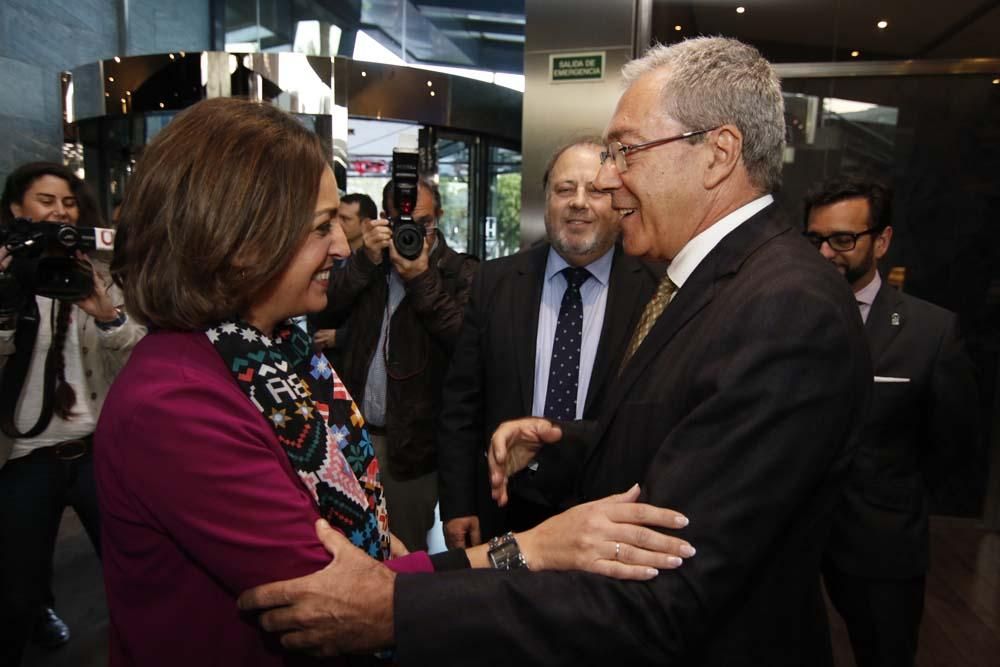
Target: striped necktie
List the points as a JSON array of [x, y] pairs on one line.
[[652, 312]]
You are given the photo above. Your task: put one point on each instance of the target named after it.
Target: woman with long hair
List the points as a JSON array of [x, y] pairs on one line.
[[59, 358]]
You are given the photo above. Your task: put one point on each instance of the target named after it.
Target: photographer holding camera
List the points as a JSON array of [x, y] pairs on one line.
[[405, 316], [58, 358]]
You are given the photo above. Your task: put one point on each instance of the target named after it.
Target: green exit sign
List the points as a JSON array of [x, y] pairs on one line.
[[577, 66]]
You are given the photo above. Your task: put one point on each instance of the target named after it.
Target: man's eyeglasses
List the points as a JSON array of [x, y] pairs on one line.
[[838, 241], [616, 150]]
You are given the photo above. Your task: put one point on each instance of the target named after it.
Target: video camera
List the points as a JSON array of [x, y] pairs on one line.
[[43, 261], [407, 235]]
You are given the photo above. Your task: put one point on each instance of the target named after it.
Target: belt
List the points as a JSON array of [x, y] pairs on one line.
[[68, 450], [375, 430]]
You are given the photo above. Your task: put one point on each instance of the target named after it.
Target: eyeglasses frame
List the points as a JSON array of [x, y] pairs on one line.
[[624, 149], [812, 237]]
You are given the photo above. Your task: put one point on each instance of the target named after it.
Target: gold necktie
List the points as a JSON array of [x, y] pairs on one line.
[[652, 312]]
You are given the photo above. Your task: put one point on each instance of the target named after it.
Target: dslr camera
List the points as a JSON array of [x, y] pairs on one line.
[[43, 261], [407, 235]]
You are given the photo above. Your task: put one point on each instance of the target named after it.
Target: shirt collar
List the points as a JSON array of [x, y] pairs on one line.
[[690, 256], [600, 268], [866, 294]]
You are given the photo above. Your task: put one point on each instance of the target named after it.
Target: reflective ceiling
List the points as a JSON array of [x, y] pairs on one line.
[[479, 34]]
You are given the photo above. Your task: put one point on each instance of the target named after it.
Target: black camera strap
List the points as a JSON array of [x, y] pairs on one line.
[[16, 371]]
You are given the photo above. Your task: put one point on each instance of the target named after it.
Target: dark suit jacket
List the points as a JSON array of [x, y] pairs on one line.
[[913, 431], [738, 410], [492, 374]]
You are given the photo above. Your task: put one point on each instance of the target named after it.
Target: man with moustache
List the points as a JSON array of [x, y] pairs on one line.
[[923, 415], [511, 358], [735, 403]]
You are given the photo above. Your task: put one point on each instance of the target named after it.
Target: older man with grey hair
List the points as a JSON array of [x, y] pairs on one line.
[[735, 404]]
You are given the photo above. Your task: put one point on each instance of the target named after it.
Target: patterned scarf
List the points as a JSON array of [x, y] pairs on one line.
[[317, 423]]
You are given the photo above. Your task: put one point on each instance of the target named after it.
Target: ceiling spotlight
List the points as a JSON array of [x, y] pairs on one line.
[[882, 25], [432, 93], [996, 82], [117, 59], [364, 73], [677, 28], [740, 10], [855, 54], [430, 83], [111, 79]]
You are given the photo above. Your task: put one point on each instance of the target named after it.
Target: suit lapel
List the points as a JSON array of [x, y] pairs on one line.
[[528, 284], [698, 292], [621, 315], [720, 265], [885, 320]]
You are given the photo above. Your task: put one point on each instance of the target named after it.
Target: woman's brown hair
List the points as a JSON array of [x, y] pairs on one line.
[[220, 200]]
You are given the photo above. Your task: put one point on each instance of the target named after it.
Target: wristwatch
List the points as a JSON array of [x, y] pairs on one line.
[[505, 554]]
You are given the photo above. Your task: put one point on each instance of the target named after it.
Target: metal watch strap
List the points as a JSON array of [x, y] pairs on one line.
[[505, 554]]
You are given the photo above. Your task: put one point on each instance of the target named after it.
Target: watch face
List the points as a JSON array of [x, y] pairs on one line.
[[505, 556]]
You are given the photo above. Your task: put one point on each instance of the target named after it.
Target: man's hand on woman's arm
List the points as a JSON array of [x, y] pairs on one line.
[[347, 606]]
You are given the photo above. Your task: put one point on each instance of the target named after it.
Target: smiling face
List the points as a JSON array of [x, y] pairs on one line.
[[579, 221], [49, 199], [850, 216], [660, 195], [301, 287]]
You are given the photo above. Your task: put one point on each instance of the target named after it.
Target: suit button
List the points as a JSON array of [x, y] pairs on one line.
[[85, 350], [93, 396]]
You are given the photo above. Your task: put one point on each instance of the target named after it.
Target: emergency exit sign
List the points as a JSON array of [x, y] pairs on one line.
[[577, 66]]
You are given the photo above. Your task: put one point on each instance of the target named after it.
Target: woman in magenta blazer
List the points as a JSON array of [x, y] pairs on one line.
[[226, 438]]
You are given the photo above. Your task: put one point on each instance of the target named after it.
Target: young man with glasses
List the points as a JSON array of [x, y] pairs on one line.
[[923, 414]]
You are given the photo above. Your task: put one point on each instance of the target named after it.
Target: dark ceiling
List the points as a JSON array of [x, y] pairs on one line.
[[824, 30]]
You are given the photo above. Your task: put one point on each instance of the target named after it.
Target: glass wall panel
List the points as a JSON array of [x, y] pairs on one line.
[[503, 222], [454, 172]]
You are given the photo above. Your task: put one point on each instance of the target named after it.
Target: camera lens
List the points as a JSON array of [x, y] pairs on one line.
[[68, 236], [409, 240]]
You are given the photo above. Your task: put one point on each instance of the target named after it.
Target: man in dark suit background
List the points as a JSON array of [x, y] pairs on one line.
[[924, 413], [505, 365], [736, 405]]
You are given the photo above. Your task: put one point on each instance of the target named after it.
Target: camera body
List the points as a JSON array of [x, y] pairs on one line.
[[43, 260], [407, 235]]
